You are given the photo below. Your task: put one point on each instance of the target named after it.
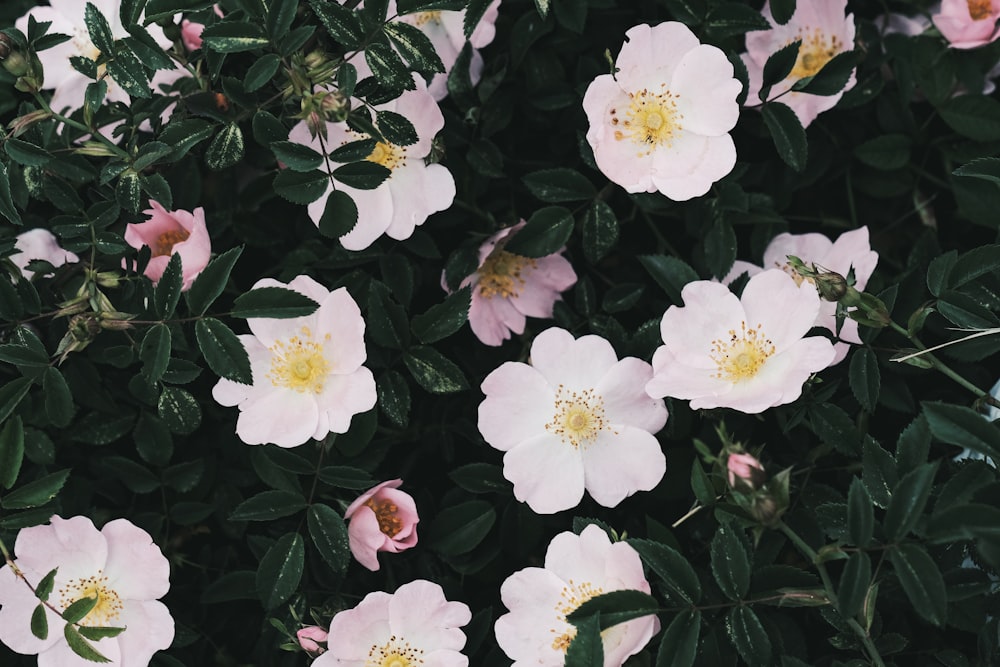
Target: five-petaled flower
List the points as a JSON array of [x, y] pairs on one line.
[[172, 232], [967, 24], [662, 121], [577, 418], [119, 565], [414, 627], [382, 518], [746, 353], [308, 377], [535, 631], [39, 244]]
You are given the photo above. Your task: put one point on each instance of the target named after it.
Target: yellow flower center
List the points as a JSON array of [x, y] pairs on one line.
[[651, 120], [394, 653], [742, 354], [816, 51], [108, 609], [299, 364], [385, 512], [501, 274], [387, 155], [166, 241], [578, 416], [980, 9], [421, 18], [572, 596]]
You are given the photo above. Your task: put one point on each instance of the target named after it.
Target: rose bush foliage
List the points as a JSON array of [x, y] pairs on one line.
[[296, 206]]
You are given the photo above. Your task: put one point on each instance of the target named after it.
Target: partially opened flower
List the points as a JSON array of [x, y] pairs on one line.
[[967, 24], [119, 565], [308, 377], [662, 121], [745, 353], [744, 470], [507, 287], [577, 418], [413, 190], [310, 638], [535, 631], [383, 518], [172, 232], [39, 244], [824, 32], [413, 627]]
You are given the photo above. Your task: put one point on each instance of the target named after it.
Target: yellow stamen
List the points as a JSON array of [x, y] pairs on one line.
[[651, 120], [742, 354], [980, 9], [108, 609], [299, 363], [165, 242], [502, 274], [394, 653], [389, 156], [385, 512], [816, 51], [578, 416], [572, 596]]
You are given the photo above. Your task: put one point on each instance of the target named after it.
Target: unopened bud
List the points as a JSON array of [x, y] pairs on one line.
[[314, 59], [334, 107], [20, 124], [316, 124], [107, 278], [116, 321], [310, 639], [6, 46], [831, 285], [744, 471], [94, 149], [15, 63]]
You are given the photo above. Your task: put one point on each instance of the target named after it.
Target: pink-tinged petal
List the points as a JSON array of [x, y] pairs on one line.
[[419, 612], [627, 639], [625, 399], [229, 393], [956, 24], [649, 57], [370, 493], [691, 164], [354, 631], [150, 629], [74, 544], [555, 272], [577, 364], [852, 250], [807, 107], [420, 108], [375, 213], [547, 474], [807, 247], [418, 190], [61, 655], [17, 603], [136, 568], [344, 396], [42, 244], [526, 633], [493, 319], [365, 538], [283, 417], [580, 558], [303, 285], [710, 312], [617, 465], [740, 268], [706, 110], [676, 379], [624, 567], [781, 309], [70, 93], [781, 378], [447, 658], [519, 402], [340, 317], [617, 156]]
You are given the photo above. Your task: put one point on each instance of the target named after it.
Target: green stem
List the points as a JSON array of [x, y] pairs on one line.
[[813, 557], [112, 146]]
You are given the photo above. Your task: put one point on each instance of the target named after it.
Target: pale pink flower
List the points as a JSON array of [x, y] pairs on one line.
[[851, 250], [413, 190], [824, 32], [662, 121], [535, 631], [745, 353], [416, 625], [118, 564], [577, 418], [967, 24], [743, 469], [507, 287], [308, 377], [172, 232], [383, 518], [310, 638], [191, 31], [39, 244]]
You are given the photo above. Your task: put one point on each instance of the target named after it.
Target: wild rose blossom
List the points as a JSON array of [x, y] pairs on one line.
[[118, 564], [577, 418], [383, 518], [506, 288], [824, 32], [412, 192], [967, 24], [662, 121], [308, 377], [577, 568], [39, 244], [172, 232], [310, 639], [745, 353], [414, 626]]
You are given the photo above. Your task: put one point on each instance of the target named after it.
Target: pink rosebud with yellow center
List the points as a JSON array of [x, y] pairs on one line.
[[967, 24], [381, 519], [172, 232]]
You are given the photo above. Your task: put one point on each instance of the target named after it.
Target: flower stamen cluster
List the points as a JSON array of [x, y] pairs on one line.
[[741, 355], [299, 363], [578, 416]]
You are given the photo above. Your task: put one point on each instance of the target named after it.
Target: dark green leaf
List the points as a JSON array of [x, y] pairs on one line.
[[43, 589], [58, 400], [97, 633], [210, 283], [459, 529], [720, 248], [778, 66], [865, 378], [443, 319], [7, 209], [835, 427], [183, 135], [179, 410], [670, 273], [415, 47], [342, 23], [962, 426], [600, 231], [353, 151], [261, 72], [396, 128], [35, 493], [701, 484], [226, 149], [671, 567], [974, 116], [130, 10], [679, 645], [268, 506], [860, 514], [27, 154], [981, 261], [168, 290], [346, 477], [39, 622], [128, 191], [280, 14], [971, 521], [886, 152], [161, 9], [748, 635], [340, 215], [233, 37], [99, 30], [275, 302], [559, 185], [788, 134], [296, 157], [984, 168], [854, 581], [329, 535], [586, 648], [909, 497], [281, 570], [363, 175], [832, 78], [238, 585], [301, 188], [878, 472], [387, 67], [11, 451], [129, 73], [394, 397], [782, 10], [11, 394], [474, 12], [480, 478], [153, 440], [921, 580], [81, 646], [545, 233], [730, 562], [223, 351], [615, 607], [433, 371], [155, 352]]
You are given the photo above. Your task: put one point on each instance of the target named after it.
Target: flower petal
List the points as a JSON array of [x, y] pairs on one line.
[[620, 464], [136, 568], [577, 364], [547, 474], [519, 402]]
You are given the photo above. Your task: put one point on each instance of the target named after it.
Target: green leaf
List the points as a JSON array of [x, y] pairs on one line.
[[39, 622], [720, 248], [600, 231], [27, 154], [885, 152], [261, 72], [155, 352], [396, 128], [183, 135], [865, 378], [223, 351], [909, 497], [35, 493], [233, 37], [921, 580], [58, 400], [153, 440], [586, 648], [11, 394], [346, 477], [679, 645], [179, 410], [415, 47], [788, 134], [363, 175], [340, 215], [210, 283], [671, 567], [459, 529], [480, 478], [226, 149], [835, 427], [280, 570], [280, 15], [832, 78], [342, 23], [11, 451], [559, 185], [43, 589], [394, 397], [275, 302], [984, 168], [878, 471], [701, 484], [268, 506], [733, 18], [443, 319], [974, 116], [978, 262], [296, 157], [730, 562], [387, 67], [129, 73], [7, 208], [747, 634], [329, 535], [146, 49], [545, 233], [99, 30], [168, 290], [615, 607], [130, 10], [301, 188], [962, 426], [353, 151], [913, 445], [81, 646], [860, 514], [161, 9], [433, 371], [778, 66], [854, 582], [128, 191], [669, 272], [474, 13], [782, 11], [97, 633]]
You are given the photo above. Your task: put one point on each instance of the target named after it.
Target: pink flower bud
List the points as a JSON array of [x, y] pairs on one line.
[[310, 638], [191, 34], [381, 519], [744, 468], [170, 232]]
